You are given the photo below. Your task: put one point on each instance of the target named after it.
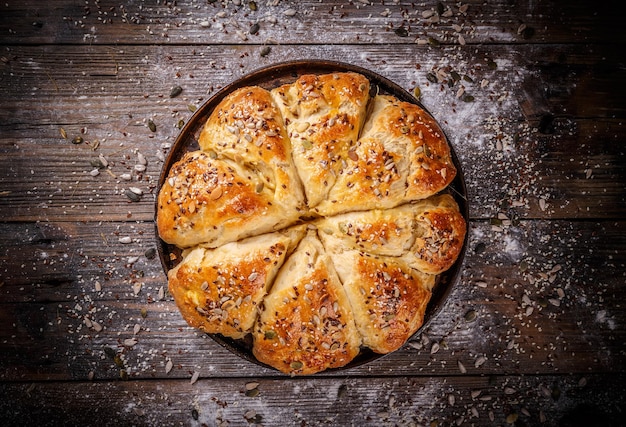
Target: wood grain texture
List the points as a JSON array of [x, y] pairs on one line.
[[531, 96], [354, 22], [523, 147], [530, 400]]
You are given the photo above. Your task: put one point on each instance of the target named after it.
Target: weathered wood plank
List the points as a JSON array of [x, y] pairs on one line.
[[516, 151], [546, 296], [306, 22], [512, 400]]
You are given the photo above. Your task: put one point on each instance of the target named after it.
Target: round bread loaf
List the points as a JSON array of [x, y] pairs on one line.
[[312, 220]]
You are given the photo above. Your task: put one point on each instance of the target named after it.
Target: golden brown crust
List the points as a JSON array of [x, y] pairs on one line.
[[219, 290], [213, 201], [427, 234], [306, 324], [388, 298], [323, 115], [401, 156]]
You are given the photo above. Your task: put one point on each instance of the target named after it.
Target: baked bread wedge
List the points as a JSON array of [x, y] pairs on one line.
[[306, 323], [388, 298], [323, 115], [211, 201], [401, 156], [428, 234], [219, 290]]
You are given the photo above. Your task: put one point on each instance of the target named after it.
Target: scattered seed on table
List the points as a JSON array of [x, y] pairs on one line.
[[176, 90], [151, 125], [134, 197], [265, 51], [194, 377]]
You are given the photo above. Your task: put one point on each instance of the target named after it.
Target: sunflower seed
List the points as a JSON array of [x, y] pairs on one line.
[[251, 385], [130, 342], [168, 366], [194, 377], [480, 361], [141, 159], [216, 193]]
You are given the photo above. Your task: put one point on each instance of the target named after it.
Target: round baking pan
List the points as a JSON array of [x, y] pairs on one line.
[[269, 78]]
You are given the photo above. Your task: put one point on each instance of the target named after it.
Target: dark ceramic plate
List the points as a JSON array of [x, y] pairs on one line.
[[269, 78]]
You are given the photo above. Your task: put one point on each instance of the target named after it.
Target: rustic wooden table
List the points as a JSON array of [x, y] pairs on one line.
[[531, 95]]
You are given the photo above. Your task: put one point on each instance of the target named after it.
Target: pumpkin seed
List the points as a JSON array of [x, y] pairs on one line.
[[254, 28], [265, 51], [470, 316], [192, 108], [176, 90], [150, 253], [77, 140], [151, 125], [134, 197], [194, 414], [306, 144], [180, 124], [296, 365], [431, 78], [118, 360], [109, 352], [252, 5], [252, 393], [96, 163], [433, 41], [467, 98], [511, 418], [270, 335], [259, 187], [123, 374], [401, 32], [417, 92], [144, 312]]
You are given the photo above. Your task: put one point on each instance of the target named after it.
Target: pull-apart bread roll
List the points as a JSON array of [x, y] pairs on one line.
[[388, 298], [219, 290], [401, 156], [309, 221], [212, 201], [323, 115], [428, 234], [306, 324]]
